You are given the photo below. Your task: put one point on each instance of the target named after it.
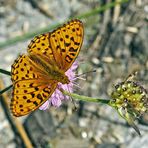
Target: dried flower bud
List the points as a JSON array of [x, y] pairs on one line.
[[130, 99]]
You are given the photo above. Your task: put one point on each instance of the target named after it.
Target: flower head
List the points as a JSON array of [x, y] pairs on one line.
[[130, 99], [57, 97]]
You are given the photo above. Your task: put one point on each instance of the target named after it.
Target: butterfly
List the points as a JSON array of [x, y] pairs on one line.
[[35, 75]]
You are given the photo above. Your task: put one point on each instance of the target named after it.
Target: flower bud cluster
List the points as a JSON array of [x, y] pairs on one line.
[[131, 97]]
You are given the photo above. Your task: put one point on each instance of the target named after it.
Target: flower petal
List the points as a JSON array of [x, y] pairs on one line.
[[45, 105]]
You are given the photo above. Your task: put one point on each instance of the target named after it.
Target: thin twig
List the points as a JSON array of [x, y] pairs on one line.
[[116, 12]]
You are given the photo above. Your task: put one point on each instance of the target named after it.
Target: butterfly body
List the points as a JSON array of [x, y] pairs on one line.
[[51, 71], [35, 76]]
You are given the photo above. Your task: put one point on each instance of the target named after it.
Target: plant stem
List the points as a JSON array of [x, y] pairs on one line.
[[85, 98], [5, 72], [5, 89]]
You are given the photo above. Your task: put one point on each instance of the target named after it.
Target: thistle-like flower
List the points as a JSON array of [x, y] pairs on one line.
[[58, 96], [130, 99]]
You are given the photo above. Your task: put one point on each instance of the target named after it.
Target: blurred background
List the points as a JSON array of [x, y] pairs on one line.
[[115, 44]]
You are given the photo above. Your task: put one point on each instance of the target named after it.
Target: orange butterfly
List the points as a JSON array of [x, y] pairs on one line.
[[35, 76]]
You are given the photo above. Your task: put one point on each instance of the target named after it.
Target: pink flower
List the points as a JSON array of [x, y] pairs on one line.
[[57, 97]]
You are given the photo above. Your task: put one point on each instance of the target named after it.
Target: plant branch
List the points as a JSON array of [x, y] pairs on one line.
[[5, 89], [85, 98], [5, 72]]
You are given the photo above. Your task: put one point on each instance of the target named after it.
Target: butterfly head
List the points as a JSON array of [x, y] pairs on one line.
[[65, 80]]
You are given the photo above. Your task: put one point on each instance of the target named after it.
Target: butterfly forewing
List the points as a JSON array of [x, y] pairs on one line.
[[66, 42], [40, 45]]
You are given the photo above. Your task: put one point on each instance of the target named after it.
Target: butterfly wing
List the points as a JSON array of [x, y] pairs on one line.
[[61, 47], [66, 42], [40, 46], [31, 86]]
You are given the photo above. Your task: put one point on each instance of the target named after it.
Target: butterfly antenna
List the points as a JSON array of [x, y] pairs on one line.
[[85, 73], [75, 84]]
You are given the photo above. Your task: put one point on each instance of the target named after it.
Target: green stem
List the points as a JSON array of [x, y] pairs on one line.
[[46, 29], [5, 89], [100, 9], [85, 98], [5, 72]]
